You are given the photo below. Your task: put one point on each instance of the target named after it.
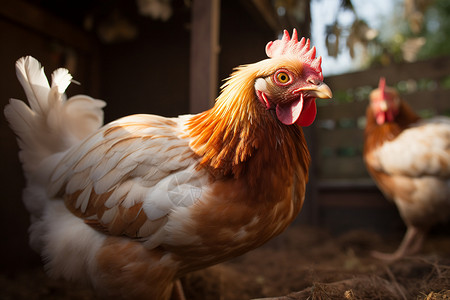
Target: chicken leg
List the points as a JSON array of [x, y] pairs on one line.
[[411, 244]]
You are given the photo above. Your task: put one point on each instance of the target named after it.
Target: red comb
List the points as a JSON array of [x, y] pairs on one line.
[[291, 46], [382, 85]]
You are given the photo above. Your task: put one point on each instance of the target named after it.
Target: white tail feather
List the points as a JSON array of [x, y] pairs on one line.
[[61, 79], [32, 77], [50, 124]]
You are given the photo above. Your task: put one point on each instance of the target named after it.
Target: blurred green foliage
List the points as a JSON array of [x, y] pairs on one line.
[[397, 35], [436, 30]]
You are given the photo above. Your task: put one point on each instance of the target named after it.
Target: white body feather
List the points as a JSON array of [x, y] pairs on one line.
[[64, 152], [418, 163], [422, 149]]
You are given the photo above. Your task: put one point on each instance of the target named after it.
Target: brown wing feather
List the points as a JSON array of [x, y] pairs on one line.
[[107, 183]]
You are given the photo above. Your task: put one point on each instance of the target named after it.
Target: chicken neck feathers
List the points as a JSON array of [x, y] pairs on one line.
[[375, 134], [239, 127]]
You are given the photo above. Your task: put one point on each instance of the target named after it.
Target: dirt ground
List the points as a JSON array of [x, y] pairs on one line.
[[302, 263]]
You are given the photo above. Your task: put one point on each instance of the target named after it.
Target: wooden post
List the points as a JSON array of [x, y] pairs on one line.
[[204, 54]]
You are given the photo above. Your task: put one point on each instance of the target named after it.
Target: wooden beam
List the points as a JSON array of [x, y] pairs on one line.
[[32, 17], [267, 13], [204, 54], [434, 68], [53, 28]]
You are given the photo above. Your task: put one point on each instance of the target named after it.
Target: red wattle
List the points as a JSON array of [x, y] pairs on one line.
[[308, 114], [381, 118], [289, 113]]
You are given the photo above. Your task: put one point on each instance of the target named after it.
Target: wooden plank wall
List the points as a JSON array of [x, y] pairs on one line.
[[340, 122], [347, 197]]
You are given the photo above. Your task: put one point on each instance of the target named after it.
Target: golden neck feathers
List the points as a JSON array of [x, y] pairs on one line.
[[239, 136]]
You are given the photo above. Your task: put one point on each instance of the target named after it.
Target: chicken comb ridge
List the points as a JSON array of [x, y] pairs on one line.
[[382, 85], [292, 46]]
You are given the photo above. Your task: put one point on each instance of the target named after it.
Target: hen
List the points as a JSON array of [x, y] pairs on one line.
[[409, 159], [134, 205]]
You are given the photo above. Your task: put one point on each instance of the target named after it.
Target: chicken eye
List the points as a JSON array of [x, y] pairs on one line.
[[282, 77]]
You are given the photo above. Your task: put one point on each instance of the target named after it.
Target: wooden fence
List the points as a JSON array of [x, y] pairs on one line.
[[344, 196], [424, 85]]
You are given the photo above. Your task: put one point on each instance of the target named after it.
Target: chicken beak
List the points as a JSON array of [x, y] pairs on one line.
[[321, 91]]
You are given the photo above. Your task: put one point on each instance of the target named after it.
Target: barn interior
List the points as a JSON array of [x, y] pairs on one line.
[[172, 60]]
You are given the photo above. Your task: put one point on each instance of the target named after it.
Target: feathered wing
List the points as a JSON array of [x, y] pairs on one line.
[[423, 149], [50, 123], [129, 176]]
